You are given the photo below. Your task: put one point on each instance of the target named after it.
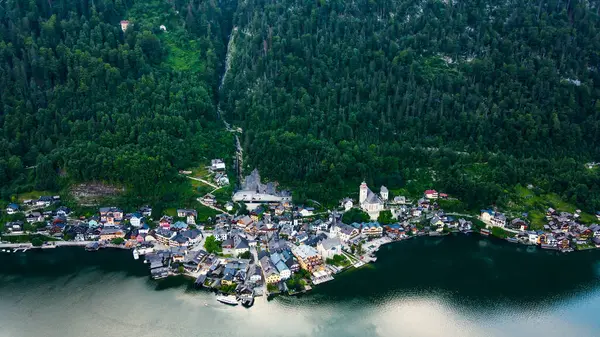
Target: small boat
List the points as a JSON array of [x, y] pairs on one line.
[[227, 299], [485, 232], [512, 240], [136, 254]]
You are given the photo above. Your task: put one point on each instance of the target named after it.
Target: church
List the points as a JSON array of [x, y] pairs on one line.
[[371, 202]]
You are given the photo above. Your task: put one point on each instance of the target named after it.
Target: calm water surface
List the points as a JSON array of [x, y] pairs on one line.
[[454, 286]]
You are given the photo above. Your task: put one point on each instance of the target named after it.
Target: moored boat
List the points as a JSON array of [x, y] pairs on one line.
[[227, 299], [513, 240], [485, 231], [136, 254]]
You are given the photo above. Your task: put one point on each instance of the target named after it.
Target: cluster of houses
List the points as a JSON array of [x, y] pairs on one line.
[[217, 167], [276, 240], [562, 232]]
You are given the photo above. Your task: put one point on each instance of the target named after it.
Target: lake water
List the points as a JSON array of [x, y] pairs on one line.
[[453, 286]]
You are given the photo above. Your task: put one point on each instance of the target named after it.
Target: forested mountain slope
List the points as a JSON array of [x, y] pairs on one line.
[[83, 100], [485, 94]]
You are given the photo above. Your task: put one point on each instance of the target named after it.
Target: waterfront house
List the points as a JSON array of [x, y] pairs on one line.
[[329, 247], [518, 224], [492, 218], [284, 271], [533, 237], [270, 272], [307, 256], [107, 234], [12, 209], [371, 229], [254, 274]]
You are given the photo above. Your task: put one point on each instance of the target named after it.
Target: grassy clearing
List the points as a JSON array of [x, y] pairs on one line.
[[170, 212], [183, 50], [183, 55], [33, 195], [535, 203], [205, 212]]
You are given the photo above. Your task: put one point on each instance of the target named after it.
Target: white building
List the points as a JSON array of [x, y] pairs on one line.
[[217, 164], [306, 212], [533, 237], [347, 204], [385, 194], [370, 202], [493, 219], [329, 247], [136, 220], [124, 25], [343, 231]]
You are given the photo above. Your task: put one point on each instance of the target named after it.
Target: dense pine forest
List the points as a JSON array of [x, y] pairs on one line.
[[477, 95], [84, 100], [471, 97]]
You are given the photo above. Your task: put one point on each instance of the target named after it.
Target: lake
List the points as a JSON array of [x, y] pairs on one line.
[[451, 286]]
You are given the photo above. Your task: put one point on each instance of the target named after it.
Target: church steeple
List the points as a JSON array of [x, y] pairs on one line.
[[363, 192]]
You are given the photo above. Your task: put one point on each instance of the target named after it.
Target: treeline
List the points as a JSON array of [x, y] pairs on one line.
[[481, 94], [82, 100]]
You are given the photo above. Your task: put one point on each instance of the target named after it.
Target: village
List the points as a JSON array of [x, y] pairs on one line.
[[274, 246]]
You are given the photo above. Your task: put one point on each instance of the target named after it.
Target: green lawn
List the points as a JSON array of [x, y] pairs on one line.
[[535, 204], [205, 212], [33, 195], [183, 49]]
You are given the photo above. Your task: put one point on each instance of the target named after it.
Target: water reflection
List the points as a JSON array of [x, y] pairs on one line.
[[444, 286]]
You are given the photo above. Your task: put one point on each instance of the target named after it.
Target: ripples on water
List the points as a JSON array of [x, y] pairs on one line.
[[442, 287]]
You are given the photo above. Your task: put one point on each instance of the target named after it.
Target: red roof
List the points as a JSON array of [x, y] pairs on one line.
[[430, 192]]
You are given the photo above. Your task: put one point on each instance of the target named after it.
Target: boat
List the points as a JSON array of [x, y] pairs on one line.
[[227, 299], [512, 240], [136, 254], [549, 246], [485, 232], [92, 246]]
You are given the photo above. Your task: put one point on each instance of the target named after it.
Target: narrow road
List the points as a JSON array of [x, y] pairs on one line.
[[210, 206], [205, 181]]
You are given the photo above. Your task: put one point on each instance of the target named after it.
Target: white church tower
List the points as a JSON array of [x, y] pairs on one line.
[[363, 193]]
